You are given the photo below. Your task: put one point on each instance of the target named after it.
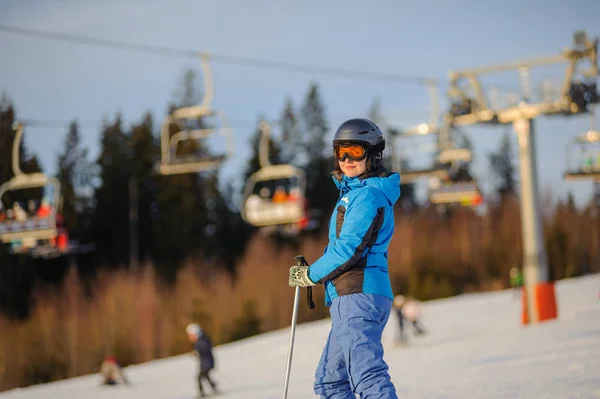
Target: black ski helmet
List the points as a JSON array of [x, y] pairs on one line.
[[363, 131]]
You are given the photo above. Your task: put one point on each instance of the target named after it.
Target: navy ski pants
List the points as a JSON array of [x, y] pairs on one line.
[[352, 361]]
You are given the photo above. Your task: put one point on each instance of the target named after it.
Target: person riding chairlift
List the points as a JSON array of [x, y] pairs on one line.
[[44, 210], [294, 194], [279, 196], [19, 212]]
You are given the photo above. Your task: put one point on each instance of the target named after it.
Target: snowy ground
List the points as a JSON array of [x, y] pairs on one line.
[[476, 348]]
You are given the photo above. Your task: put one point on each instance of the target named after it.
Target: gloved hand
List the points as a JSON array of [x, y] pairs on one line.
[[299, 277]]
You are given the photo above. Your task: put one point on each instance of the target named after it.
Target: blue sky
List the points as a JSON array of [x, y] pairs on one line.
[[61, 81]]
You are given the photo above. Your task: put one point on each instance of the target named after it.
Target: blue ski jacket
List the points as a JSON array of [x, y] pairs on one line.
[[360, 230]]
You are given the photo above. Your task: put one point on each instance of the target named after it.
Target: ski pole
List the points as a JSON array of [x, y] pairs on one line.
[[291, 346], [300, 261]]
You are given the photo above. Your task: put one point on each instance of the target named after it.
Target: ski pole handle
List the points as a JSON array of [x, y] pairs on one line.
[[301, 261]]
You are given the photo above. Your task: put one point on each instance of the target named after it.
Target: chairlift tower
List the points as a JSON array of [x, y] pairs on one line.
[[576, 96]]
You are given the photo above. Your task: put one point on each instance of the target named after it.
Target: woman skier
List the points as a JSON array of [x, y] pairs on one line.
[[354, 267]]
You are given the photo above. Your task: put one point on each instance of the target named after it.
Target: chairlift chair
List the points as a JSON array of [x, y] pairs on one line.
[[275, 195], [34, 228], [261, 207], [583, 157], [171, 163]]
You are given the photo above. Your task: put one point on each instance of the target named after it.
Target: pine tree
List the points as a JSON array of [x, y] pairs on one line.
[[75, 175], [225, 233], [188, 93], [7, 114], [408, 199], [376, 114], [315, 126], [144, 152], [503, 168], [290, 133], [110, 220], [320, 190]]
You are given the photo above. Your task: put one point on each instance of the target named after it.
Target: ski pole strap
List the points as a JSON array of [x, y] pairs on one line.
[[301, 261], [311, 304]]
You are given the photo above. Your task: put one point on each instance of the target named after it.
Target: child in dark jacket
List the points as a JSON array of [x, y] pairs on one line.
[[203, 351]]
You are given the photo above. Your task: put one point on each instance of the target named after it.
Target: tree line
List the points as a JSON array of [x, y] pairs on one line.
[[179, 218]]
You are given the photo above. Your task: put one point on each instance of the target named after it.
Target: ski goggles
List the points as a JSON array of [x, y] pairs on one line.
[[355, 152]]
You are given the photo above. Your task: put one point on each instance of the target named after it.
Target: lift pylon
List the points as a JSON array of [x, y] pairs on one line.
[[577, 95]]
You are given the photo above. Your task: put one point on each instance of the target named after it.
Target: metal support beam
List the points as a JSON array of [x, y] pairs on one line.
[[535, 265]]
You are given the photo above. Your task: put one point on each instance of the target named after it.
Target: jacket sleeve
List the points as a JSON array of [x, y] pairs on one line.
[[362, 220]]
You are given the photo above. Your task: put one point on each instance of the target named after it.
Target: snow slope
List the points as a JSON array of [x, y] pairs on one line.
[[476, 348]]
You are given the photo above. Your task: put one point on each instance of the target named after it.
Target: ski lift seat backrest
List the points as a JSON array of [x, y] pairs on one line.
[[188, 134], [273, 172], [455, 154], [28, 181], [411, 176], [190, 165], [193, 112]]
